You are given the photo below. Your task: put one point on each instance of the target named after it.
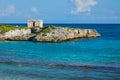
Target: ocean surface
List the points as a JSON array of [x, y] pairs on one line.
[[79, 59]]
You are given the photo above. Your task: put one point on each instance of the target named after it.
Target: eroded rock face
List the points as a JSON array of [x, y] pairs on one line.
[[2, 38], [62, 34], [54, 35], [36, 30], [16, 35]]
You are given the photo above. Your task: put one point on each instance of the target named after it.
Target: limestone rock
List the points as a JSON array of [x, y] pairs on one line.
[[16, 35], [36, 30], [62, 34], [54, 34]]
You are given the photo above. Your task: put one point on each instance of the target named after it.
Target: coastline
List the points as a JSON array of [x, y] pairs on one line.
[[46, 34]]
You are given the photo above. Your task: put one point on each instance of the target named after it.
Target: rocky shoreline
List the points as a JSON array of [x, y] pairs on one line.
[[48, 34]]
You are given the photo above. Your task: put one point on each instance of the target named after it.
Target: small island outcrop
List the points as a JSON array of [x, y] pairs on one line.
[[46, 34]]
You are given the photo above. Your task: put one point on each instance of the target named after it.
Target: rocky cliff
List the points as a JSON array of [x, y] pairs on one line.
[[16, 35], [48, 34]]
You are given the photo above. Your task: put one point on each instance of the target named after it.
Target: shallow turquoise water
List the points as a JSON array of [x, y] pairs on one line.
[[80, 59]]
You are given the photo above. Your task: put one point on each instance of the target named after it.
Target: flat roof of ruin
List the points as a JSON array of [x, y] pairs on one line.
[[35, 20]]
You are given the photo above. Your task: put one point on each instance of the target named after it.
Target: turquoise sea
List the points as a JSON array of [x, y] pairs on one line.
[[79, 59]]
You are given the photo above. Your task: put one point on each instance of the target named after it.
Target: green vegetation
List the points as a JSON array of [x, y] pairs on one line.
[[6, 28], [69, 28], [47, 30], [52, 27]]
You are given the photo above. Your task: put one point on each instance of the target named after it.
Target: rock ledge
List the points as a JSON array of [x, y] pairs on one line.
[[48, 34]]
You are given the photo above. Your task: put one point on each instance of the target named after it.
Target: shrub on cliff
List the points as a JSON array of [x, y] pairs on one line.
[[69, 28], [45, 31]]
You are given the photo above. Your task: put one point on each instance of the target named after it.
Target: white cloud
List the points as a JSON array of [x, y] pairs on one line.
[[8, 11], [34, 10], [83, 6]]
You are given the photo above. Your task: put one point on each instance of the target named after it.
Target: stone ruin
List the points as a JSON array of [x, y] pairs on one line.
[[35, 23]]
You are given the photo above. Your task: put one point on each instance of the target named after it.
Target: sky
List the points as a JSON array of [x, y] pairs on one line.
[[60, 11]]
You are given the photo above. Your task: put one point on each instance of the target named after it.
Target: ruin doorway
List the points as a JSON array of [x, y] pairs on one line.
[[34, 23]]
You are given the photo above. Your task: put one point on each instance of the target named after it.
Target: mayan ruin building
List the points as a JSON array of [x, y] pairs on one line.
[[35, 23]]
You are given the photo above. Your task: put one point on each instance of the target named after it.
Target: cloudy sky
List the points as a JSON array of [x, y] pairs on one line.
[[60, 11]]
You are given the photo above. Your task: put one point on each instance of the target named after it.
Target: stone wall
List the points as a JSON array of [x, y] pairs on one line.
[[30, 24], [34, 23]]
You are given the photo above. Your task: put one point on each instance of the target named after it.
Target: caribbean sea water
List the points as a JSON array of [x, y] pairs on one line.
[[79, 59]]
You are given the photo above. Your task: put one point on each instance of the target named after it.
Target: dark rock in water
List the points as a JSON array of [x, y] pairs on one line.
[[48, 34]]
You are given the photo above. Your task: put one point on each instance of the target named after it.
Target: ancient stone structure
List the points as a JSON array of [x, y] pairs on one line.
[[35, 23]]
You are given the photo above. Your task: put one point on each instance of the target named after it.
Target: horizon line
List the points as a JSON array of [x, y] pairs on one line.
[[63, 23]]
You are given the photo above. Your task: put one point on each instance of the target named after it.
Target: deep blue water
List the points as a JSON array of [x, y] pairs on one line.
[[80, 59]]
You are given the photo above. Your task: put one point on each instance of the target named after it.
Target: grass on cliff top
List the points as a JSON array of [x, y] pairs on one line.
[[47, 30], [6, 28], [69, 28]]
